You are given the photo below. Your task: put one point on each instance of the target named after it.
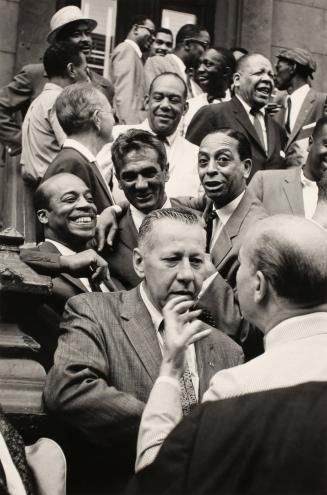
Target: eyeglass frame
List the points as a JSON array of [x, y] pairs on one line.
[[151, 31]]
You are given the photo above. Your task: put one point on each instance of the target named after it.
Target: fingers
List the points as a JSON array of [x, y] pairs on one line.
[[111, 235], [100, 236], [200, 335]]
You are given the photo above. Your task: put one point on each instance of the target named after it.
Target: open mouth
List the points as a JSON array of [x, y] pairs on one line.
[[213, 185], [187, 293], [264, 91], [144, 198], [85, 220]]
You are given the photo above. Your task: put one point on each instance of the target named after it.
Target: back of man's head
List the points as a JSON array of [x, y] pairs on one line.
[[290, 252], [76, 107], [58, 56], [188, 31]]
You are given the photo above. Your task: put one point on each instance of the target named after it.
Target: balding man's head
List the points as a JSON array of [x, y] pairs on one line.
[[287, 255], [65, 207]]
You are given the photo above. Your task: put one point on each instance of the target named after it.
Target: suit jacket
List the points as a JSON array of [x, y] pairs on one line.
[[232, 114], [107, 361], [157, 65], [18, 95], [312, 109], [200, 456], [71, 161], [280, 191], [128, 77]]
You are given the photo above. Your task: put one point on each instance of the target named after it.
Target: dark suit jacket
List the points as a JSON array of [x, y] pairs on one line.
[[107, 361], [20, 92], [232, 114], [312, 109], [280, 191], [71, 161], [266, 443]]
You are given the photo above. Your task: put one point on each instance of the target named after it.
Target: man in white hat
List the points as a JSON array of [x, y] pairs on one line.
[[68, 24]]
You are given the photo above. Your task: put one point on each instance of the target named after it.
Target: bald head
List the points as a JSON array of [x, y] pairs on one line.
[[49, 187], [291, 252]]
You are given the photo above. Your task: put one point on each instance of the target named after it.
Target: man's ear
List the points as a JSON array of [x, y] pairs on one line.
[[186, 45], [261, 287], [70, 69], [96, 119], [310, 142], [166, 172], [186, 105], [43, 216], [138, 263], [146, 102], [247, 164], [236, 79]]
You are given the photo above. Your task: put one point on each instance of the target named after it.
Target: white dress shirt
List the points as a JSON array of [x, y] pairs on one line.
[[295, 352], [297, 98], [66, 251], [135, 46], [310, 195], [261, 118], [224, 215], [138, 216]]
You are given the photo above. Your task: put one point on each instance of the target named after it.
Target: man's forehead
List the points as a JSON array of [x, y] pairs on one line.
[[148, 23], [213, 55], [170, 234], [145, 153], [79, 26], [164, 36], [204, 36], [218, 141], [256, 62], [169, 85]]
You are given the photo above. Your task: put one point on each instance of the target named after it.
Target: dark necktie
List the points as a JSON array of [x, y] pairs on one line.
[[209, 227], [187, 392], [163, 139], [95, 286], [258, 127], [288, 116]]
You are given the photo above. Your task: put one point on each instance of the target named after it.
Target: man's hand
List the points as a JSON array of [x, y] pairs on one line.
[[181, 329], [85, 264], [107, 227]]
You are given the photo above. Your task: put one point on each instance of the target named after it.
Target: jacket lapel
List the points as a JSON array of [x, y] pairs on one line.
[[301, 118], [101, 181], [127, 231], [271, 136], [138, 327], [243, 119], [293, 191], [205, 358]]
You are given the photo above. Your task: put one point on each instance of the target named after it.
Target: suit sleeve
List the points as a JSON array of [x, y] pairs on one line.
[[78, 386], [256, 185], [14, 97], [41, 262], [201, 124], [152, 69], [123, 69]]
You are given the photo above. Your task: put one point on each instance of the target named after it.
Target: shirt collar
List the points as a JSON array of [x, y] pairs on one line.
[[63, 250], [155, 315], [247, 107], [135, 46], [296, 328], [307, 182], [49, 86], [226, 211], [138, 215], [170, 138], [300, 93], [76, 145]]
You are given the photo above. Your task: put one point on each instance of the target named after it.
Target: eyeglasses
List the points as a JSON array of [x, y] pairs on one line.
[[151, 31], [204, 44]]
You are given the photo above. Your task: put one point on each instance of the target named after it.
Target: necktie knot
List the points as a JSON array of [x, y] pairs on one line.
[[209, 227], [163, 139]]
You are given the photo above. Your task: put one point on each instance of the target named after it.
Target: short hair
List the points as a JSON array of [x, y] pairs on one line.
[[243, 144], [76, 105], [41, 197], [187, 31], [241, 62], [295, 274], [185, 216], [318, 127], [173, 74], [59, 55], [164, 30], [227, 57], [136, 140], [139, 20]]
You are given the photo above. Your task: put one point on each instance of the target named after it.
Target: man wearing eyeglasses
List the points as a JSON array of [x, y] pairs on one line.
[[191, 43], [127, 70]]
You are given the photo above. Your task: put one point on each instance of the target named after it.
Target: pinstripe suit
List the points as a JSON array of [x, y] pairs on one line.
[[108, 359]]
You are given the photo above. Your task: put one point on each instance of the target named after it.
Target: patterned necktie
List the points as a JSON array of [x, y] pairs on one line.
[[187, 392], [209, 227], [258, 127], [288, 117]]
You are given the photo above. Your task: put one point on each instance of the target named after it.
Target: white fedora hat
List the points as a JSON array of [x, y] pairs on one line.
[[65, 16]]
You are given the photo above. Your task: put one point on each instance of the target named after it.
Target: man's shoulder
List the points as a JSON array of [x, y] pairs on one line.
[[94, 300], [274, 177], [186, 145], [124, 47], [224, 342]]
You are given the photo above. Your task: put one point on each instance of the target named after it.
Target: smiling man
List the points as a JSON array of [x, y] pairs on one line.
[[163, 42], [165, 105], [111, 347], [253, 83]]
